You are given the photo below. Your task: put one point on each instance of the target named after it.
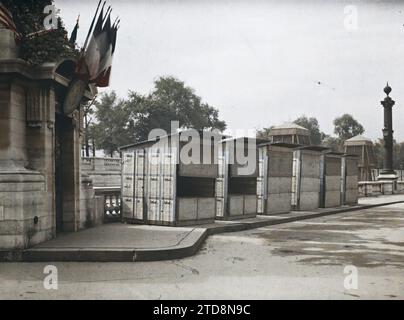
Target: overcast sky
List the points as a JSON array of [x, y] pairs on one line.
[[262, 63]]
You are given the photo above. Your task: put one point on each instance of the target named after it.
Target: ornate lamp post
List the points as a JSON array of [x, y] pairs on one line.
[[388, 173]]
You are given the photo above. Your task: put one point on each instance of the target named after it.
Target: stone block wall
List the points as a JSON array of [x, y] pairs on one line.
[[87, 204], [26, 216], [24, 220], [30, 99], [99, 207], [104, 172]]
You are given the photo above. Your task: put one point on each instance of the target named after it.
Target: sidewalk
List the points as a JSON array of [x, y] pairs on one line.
[[380, 200], [118, 242], [129, 243]]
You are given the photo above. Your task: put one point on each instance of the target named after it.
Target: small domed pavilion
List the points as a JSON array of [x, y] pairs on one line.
[[363, 148]]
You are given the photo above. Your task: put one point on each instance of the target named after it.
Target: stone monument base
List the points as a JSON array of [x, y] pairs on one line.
[[387, 177], [389, 188], [24, 218]]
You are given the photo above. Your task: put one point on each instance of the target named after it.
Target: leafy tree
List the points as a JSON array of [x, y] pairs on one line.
[[334, 143], [316, 136], [120, 122], [400, 164], [169, 101], [379, 152], [89, 134], [346, 127], [50, 46], [112, 129], [398, 154], [397, 160], [264, 133]]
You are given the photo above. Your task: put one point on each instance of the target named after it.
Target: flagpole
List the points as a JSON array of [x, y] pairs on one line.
[[92, 23], [106, 15], [113, 25]]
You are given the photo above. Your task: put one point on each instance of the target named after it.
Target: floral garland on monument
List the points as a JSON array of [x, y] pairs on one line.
[[38, 45]]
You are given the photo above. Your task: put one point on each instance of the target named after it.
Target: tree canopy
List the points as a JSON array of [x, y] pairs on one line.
[[171, 100], [112, 129], [316, 136], [334, 143], [124, 121], [346, 127], [264, 133]]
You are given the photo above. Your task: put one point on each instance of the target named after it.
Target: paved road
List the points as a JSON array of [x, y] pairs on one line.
[[303, 259]]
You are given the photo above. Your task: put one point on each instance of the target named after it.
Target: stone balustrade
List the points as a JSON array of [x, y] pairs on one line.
[[375, 188], [108, 204], [399, 173], [105, 176], [105, 172]]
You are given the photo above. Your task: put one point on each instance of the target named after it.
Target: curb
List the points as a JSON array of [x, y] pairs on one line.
[[189, 246], [259, 224]]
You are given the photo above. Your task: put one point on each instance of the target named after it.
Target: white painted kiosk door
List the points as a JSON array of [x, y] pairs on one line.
[[262, 180], [127, 184], [139, 178], [153, 185], [161, 185], [168, 186], [221, 185], [296, 175]]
